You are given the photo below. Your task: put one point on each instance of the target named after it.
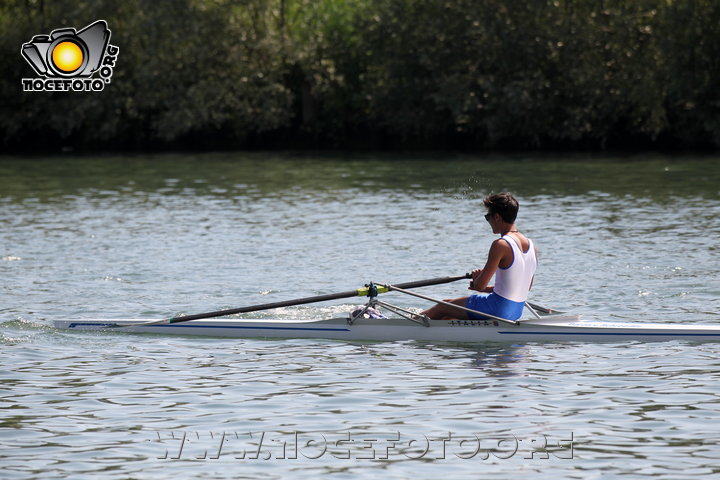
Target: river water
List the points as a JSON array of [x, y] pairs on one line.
[[632, 238]]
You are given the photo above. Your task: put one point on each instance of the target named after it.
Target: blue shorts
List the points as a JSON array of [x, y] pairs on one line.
[[495, 305]]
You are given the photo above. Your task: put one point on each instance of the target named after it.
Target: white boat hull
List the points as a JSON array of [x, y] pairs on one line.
[[554, 328]]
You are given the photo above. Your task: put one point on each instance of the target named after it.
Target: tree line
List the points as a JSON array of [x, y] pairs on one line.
[[467, 74]]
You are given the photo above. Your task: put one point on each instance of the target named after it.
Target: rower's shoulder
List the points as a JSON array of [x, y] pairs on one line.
[[501, 242], [499, 248], [520, 239]]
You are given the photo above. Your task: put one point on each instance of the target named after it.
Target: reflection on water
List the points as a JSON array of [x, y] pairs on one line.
[[252, 176], [620, 238], [499, 360]]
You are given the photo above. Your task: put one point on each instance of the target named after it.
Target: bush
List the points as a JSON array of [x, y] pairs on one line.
[[331, 73]]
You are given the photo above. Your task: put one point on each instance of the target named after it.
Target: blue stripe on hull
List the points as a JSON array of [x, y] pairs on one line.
[[669, 334], [261, 328], [85, 324]]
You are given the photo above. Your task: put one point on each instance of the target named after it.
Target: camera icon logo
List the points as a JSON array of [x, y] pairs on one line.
[[67, 54]]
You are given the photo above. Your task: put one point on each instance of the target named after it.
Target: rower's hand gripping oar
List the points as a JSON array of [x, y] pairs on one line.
[[368, 290]]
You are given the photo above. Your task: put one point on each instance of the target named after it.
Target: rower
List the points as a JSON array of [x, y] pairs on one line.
[[512, 259]]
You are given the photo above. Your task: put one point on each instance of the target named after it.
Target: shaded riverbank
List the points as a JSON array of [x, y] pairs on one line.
[[375, 74]]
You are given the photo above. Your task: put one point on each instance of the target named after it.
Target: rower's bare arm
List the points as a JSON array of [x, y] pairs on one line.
[[482, 277], [476, 274]]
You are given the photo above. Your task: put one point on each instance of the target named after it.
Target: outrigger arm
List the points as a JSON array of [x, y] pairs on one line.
[[443, 302], [374, 289]]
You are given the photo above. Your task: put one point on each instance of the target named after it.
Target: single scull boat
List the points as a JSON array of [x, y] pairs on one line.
[[364, 324], [551, 328]]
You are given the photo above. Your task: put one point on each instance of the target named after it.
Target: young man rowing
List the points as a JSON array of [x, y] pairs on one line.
[[512, 259]]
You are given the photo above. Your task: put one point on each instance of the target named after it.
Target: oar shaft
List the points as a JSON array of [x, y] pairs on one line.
[[432, 281], [302, 301], [265, 306]]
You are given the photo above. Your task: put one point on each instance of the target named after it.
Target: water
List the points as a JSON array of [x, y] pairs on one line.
[[631, 238]]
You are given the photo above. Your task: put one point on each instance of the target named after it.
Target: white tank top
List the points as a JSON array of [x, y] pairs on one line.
[[513, 282]]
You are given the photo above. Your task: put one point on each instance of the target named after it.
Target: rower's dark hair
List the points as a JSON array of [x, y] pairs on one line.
[[504, 204]]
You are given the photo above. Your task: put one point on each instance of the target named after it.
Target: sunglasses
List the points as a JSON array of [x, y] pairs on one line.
[[488, 216]]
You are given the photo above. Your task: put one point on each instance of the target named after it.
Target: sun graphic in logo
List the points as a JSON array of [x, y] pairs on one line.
[[67, 56]]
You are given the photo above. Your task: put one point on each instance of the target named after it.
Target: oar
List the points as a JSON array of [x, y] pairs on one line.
[[443, 302], [542, 309], [360, 292]]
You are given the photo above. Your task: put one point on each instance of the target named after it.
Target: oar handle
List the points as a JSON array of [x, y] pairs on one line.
[[542, 309]]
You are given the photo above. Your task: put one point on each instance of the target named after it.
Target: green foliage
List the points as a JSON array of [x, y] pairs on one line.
[[338, 73]]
